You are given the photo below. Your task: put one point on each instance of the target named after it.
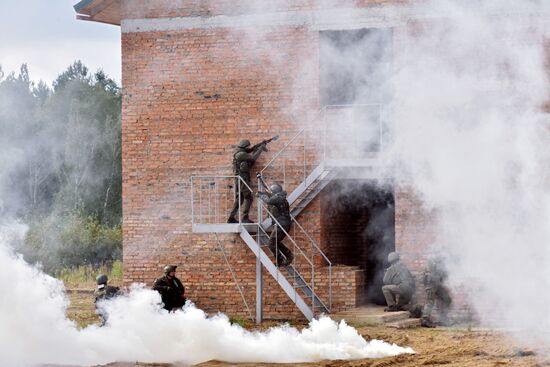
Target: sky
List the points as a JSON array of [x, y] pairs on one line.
[[46, 35]]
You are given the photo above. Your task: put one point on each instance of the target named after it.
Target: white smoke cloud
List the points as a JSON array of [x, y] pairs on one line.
[[35, 330], [471, 138]]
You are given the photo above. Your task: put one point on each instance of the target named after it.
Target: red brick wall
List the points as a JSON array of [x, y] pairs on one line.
[[189, 95], [171, 132]]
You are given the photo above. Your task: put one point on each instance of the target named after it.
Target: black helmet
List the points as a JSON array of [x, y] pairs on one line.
[[244, 143], [101, 279], [169, 268], [276, 188]]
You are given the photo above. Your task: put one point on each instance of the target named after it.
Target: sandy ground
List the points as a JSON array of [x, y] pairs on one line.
[[434, 347]]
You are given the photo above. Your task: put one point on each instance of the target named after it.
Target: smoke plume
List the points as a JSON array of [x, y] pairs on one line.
[[470, 136], [35, 330]]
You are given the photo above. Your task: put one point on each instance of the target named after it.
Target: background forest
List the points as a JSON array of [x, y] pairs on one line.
[[61, 163]]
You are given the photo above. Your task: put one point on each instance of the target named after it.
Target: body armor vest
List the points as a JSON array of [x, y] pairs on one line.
[[280, 210]]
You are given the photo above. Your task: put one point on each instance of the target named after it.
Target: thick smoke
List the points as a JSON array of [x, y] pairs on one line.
[[471, 139], [467, 133], [35, 330]]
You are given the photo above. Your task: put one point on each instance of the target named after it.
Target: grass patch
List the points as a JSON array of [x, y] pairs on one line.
[[86, 274], [241, 321]]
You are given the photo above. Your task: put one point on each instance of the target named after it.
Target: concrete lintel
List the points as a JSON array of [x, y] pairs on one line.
[[387, 16], [380, 16]]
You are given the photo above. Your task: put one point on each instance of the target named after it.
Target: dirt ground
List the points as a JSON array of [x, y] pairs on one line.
[[434, 347]]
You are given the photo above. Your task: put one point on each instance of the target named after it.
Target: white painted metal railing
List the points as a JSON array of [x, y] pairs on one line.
[[310, 274], [336, 133]]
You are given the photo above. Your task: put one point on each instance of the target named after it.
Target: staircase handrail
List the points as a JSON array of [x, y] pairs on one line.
[[288, 235], [214, 177], [311, 263], [312, 241], [324, 256], [283, 149], [301, 131]]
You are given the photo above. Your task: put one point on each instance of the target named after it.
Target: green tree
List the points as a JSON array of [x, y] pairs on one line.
[[61, 171]]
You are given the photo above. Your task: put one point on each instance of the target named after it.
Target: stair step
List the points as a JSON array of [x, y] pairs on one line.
[[405, 324], [395, 316], [371, 316]]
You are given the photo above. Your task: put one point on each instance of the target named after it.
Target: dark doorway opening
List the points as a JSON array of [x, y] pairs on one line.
[[359, 228]]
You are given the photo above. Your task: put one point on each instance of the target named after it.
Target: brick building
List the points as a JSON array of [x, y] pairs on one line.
[[197, 77]]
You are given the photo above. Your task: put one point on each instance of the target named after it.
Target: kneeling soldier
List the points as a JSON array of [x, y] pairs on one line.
[[399, 284]]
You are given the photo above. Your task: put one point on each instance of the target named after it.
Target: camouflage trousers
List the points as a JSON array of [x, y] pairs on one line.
[[243, 198], [396, 295], [275, 242], [438, 294]]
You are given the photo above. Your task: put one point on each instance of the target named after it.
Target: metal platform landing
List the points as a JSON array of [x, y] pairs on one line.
[[224, 227]]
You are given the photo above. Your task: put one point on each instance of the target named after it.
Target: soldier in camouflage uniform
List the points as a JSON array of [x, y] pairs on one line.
[[399, 284], [104, 292], [243, 160], [434, 277], [277, 205], [171, 289]]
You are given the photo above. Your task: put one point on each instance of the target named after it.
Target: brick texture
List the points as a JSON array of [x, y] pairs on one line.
[[188, 95]]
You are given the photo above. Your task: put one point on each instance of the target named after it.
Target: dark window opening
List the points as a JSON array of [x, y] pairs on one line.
[[355, 69], [355, 66]]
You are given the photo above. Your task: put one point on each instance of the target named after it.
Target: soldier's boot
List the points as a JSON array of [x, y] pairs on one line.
[[398, 305], [426, 322], [288, 259], [233, 213], [392, 308], [246, 209]]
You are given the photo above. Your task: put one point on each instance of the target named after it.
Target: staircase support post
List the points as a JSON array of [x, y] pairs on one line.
[[258, 290]]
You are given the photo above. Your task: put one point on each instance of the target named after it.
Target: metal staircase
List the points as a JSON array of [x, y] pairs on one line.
[[298, 280], [304, 166]]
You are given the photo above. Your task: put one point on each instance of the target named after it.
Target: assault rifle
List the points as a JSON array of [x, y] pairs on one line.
[[262, 144]]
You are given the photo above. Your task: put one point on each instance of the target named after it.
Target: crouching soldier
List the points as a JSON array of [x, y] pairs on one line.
[[434, 277], [277, 205], [104, 292], [171, 289], [399, 284]]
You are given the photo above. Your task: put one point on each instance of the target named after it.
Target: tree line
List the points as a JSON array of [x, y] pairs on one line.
[[61, 167]]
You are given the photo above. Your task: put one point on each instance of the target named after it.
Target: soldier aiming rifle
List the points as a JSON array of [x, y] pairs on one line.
[[262, 145], [244, 158], [279, 208]]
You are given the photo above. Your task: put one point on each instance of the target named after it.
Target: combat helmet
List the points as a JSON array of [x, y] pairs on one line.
[[393, 257], [245, 143], [276, 188], [101, 279], [169, 268]]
